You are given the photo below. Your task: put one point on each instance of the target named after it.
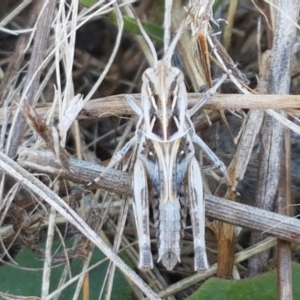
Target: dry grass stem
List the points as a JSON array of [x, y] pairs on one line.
[[32, 78], [230, 20], [117, 106], [48, 254], [284, 249], [18, 55], [108, 284]]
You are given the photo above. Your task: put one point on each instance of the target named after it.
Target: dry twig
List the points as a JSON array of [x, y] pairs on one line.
[[33, 75]]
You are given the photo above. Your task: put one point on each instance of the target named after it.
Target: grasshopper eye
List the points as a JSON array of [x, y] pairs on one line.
[[173, 86], [147, 75], [177, 74]]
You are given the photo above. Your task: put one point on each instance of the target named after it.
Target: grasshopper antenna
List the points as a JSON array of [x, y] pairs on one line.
[[167, 25], [146, 37], [170, 47]]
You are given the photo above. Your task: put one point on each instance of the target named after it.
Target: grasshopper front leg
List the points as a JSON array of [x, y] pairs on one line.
[[141, 214], [135, 107], [207, 96], [117, 157], [197, 212]]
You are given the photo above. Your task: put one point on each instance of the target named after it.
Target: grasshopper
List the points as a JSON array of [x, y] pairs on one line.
[[166, 173]]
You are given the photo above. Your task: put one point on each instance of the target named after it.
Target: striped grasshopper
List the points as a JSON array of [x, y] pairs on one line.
[[166, 173]]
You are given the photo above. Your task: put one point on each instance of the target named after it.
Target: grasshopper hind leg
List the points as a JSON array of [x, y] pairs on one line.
[[197, 212], [141, 214]]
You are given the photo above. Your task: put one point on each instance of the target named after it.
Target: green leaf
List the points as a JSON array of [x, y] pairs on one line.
[[130, 25], [28, 283], [216, 5], [87, 3], [260, 287]]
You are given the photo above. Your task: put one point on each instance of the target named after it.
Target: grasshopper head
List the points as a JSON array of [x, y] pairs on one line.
[[164, 100]]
